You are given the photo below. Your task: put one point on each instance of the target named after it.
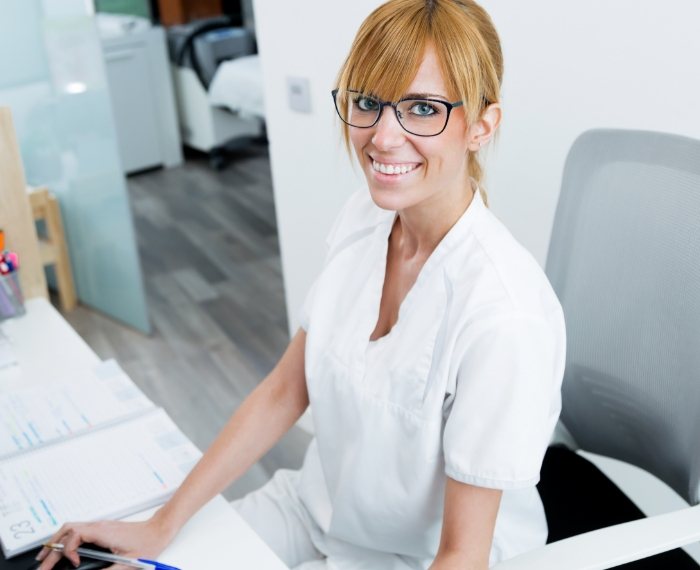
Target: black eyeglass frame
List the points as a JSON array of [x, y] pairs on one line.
[[393, 105]]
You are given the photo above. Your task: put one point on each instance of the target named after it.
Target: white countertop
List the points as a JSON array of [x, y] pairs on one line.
[[47, 348]]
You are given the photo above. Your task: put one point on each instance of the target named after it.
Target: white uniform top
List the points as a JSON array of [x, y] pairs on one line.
[[466, 384]]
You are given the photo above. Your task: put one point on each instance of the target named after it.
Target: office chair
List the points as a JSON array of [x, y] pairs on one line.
[[624, 259]]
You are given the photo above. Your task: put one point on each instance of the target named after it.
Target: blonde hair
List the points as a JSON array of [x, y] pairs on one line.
[[389, 46]]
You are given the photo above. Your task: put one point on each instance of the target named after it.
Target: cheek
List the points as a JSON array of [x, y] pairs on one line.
[[442, 158], [359, 139], [448, 155]]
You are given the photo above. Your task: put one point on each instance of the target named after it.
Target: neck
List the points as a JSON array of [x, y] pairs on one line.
[[420, 228]]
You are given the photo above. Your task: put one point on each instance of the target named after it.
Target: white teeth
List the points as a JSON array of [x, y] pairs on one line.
[[391, 168]]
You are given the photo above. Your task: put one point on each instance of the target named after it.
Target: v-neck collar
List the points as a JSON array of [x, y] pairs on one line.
[[454, 236]]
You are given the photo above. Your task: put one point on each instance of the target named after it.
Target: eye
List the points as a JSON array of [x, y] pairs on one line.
[[423, 109], [364, 103]]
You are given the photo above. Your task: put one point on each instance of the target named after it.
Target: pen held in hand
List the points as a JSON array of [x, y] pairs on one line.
[[107, 557]]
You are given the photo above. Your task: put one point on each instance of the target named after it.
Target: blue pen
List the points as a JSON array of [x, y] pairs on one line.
[[107, 557]]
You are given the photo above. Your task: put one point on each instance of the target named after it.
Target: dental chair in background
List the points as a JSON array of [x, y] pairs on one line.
[[218, 86]]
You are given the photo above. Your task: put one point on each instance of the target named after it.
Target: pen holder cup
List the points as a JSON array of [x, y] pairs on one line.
[[11, 299]]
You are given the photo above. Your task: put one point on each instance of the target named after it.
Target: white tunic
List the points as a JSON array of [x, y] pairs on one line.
[[466, 384]]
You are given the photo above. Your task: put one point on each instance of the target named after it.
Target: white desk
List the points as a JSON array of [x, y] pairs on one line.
[[47, 348]]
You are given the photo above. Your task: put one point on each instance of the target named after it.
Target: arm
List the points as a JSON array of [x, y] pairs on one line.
[[261, 420], [467, 528]]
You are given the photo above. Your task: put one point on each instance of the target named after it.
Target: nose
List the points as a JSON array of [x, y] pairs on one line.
[[388, 132]]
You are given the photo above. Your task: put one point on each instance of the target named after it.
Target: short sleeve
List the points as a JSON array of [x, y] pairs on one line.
[[505, 404], [305, 313]]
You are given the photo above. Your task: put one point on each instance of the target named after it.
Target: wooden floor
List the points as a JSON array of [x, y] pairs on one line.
[[211, 264]]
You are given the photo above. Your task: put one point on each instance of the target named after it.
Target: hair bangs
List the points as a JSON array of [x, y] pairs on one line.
[[387, 54], [459, 51]]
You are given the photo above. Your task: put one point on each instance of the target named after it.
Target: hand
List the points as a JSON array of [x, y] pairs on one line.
[[146, 539]]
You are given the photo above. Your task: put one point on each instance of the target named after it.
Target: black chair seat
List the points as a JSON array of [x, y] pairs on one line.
[[578, 498]]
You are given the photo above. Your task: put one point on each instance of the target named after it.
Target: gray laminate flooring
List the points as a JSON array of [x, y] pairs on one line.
[[211, 265]]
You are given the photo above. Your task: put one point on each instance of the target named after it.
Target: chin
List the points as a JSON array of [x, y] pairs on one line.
[[393, 199]]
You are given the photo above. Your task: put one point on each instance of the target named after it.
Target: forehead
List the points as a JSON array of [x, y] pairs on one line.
[[428, 78]]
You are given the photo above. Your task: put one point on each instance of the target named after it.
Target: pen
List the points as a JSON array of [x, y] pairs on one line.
[[107, 557]]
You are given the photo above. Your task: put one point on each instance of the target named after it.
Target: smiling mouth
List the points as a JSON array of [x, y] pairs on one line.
[[393, 168]]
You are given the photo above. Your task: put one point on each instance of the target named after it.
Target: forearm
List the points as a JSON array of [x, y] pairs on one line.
[[457, 561], [468, 525], [263, 418]]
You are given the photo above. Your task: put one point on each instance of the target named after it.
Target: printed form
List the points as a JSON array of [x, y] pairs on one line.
[[37, 415], [107, 473]]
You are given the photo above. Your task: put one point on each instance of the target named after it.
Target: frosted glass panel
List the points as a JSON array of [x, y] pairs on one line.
[[19, 32], [65, 127]]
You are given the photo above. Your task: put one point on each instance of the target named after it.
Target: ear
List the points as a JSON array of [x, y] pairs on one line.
[[482, 130]]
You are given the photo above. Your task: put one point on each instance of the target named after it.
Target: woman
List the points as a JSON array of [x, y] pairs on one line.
[[431, 347]]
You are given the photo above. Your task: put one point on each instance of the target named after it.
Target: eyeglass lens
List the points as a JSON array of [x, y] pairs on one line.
[[417, 116]]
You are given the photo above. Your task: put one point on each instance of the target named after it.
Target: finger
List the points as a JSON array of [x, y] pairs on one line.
[[49, 556], [55, 538], [70, 543], [50, 560], [42, 553]]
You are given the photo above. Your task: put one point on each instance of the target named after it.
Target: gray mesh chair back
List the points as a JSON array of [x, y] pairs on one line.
[[624, 259]]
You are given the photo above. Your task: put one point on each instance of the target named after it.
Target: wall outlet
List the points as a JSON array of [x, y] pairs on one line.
[[299, 94]]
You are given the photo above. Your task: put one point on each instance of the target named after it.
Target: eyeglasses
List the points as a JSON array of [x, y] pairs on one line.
[[421, 117]]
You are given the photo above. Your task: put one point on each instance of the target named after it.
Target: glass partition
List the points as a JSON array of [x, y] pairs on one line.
[[53, 79]]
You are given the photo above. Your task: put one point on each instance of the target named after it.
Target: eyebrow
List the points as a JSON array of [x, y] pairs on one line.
[[423, 96]]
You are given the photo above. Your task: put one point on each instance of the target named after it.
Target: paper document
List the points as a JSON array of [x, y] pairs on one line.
[[37, 415], [105, 474]]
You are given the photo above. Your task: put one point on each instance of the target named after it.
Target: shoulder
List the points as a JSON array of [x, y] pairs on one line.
[[357, 218], [497, 280]]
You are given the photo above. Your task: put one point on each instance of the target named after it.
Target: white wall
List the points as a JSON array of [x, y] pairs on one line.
[[574, 66], [311, 174], [570, 66]]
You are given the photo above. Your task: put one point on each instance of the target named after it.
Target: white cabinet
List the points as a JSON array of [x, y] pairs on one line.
[[138, 74]]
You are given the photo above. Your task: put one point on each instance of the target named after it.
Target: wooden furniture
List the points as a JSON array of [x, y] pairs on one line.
[[15, 212], [174, 12], [53, 248]]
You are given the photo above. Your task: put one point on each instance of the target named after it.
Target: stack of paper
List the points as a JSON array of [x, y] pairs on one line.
[[86, 450]]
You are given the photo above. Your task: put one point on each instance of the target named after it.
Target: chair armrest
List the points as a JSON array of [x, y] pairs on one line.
[[614, 545]]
